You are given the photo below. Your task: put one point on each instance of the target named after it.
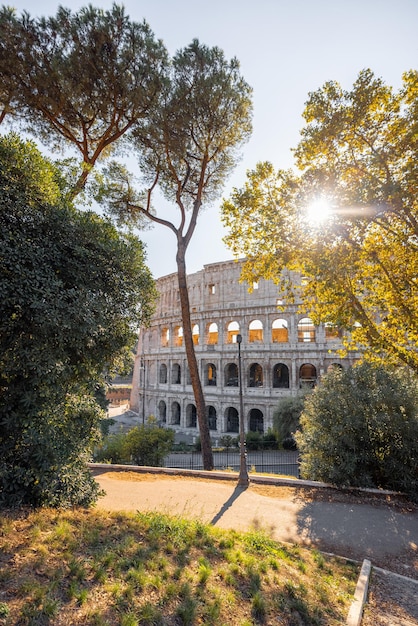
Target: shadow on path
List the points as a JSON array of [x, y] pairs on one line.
[[239, 489]]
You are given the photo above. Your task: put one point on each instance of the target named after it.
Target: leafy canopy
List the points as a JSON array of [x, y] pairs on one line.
[[88, 77], [72, 293], [358, 152]]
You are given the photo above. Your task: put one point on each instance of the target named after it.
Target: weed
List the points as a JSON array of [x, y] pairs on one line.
[[204, 571], [187, 610], [150, 615], [4, 610], [129, 619], [258, 607]]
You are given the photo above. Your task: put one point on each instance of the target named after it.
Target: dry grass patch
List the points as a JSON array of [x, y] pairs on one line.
[[91, 567]]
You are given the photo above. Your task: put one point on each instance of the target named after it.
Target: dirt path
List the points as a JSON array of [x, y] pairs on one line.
[[382, 533]]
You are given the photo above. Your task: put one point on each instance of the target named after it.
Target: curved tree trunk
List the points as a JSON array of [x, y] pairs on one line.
[[207, 455]]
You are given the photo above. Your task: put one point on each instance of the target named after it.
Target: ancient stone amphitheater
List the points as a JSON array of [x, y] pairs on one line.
[[282, 352]]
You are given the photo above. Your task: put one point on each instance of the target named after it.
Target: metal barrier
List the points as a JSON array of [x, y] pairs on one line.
[[284, 462]]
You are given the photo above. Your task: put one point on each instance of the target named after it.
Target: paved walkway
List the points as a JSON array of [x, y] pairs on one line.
[[358, 530], [386, 535]]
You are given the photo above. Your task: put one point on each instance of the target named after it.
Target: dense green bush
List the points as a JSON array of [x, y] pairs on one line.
[[149, 445], [260, 441], [143, 445], [286, 419], [360, 429], [227, 442], [61, 327]]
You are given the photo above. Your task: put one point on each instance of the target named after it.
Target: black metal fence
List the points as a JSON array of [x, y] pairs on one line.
[[285, 462]]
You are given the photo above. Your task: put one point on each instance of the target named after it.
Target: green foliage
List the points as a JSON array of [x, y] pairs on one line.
[[227, 442], [96, 74], [358, 153], [260, 441], [286, 417], [72, 290], [149, 444], [359, 429], [143, 445], [112, 449]]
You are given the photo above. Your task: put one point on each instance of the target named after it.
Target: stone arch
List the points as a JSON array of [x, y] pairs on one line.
[[175, 374], [175, 413], [307, 375], [195, 334], [255, 331], [163, 374], [256, 421], [178, 336], [232, 330], [232, 420], [191, 416], [306, 330], [165, 337], [334, 366], [231, 375], [279, 331], [255, 378], [280, 376], [162, 411], [212, 419], [212, 334], [210, 378]]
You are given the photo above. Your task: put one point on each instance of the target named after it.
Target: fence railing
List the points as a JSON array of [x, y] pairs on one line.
[[285, 462]]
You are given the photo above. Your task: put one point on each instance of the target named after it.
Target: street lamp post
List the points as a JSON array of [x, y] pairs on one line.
[[243, 478]]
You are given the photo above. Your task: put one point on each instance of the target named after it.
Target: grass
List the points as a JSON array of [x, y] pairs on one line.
[[149, 569]]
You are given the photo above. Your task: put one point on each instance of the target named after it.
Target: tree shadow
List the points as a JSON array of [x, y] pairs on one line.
[[239, 489]]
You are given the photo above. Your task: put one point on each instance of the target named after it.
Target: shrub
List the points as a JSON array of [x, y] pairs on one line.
[[228, 442], [286, 418], [270, 440], [253, 440], [112, 449], [149, 444], [359, 429]]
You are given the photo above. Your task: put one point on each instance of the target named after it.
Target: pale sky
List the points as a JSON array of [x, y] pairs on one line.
[[286, 48]]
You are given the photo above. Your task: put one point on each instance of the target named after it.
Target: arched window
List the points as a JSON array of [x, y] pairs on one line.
[[162, 411], [306, 330], [334, 366], [178, 336], [191, 420], [213, 334], [165, 337], [281, 376], [232, 332], [232, 420], [256, 421], [195, 334], [279, 331], [163, 373], [256, 375], [332, 331], [231, 375], [307, 375], [211, 412], [255, 333], [175, 374], [211, 374], [175, 413]]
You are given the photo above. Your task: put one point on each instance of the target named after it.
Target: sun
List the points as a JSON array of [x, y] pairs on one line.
[[319, 211]]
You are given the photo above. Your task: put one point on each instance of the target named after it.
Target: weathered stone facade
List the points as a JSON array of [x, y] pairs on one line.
[[281, 352]]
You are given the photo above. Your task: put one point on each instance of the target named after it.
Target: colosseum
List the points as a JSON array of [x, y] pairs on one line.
[[281, 352]]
